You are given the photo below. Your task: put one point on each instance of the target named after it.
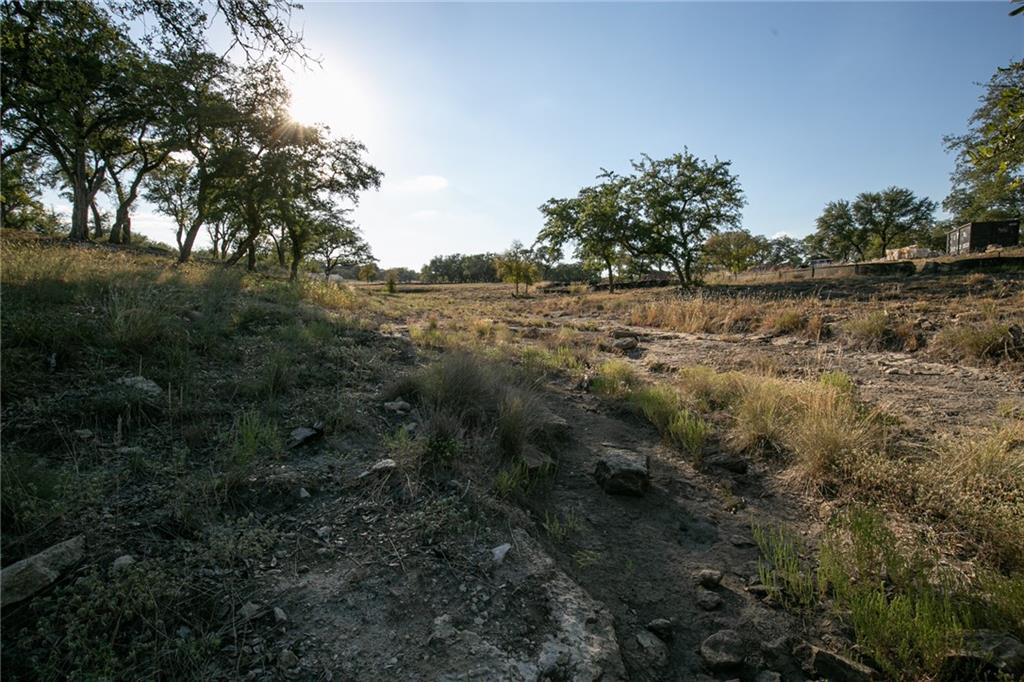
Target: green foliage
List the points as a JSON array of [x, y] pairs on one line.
[[517, 265], [839, 380], [782, 568], [874, 222], [688, 432], [988, 181], [615, 379]]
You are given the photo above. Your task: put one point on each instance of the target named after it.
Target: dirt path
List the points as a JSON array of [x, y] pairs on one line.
[[640, 555]]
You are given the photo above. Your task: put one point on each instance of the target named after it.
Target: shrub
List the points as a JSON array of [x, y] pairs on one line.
[[825, 434], [786, 321], [868, 331]]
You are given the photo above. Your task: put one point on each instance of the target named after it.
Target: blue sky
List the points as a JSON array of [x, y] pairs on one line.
[[478, 113]]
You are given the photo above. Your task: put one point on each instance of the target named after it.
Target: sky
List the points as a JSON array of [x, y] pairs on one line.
[[478, 113]]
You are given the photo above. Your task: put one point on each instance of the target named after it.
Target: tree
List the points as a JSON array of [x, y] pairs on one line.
[[837, 234], [338, 243], [988, 180], [736, 250], [597, 222], [785, 250], [517, 266], [171, 188], [874, 222], [682, 200], [66, 84], [893, 217], [368, 272]]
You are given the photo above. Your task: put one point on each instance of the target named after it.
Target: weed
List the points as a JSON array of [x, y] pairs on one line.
[[868, 331], [517, 421], [558, 529], [659, 404], [511, 480], [688, 432], [615, 379], [839, 380], [982, 341], [782, 570], [586, 557]]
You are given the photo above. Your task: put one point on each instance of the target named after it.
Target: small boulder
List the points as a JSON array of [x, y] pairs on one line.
[[279, 615], [985, 652], [723, 650], [302, 494], [287, 659], [305, 434], [121, 563], [662, 627], [498, 553], [626, 344], [623, 334], [142, 385], [768, 676], [727, 461], [622, 472], [398, 406], [653, 649], [709, 577], [708, 600], [536, 461], [24, 578], [833, 667], [249, 610]]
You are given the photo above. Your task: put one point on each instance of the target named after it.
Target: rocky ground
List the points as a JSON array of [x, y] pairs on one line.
[[334, 561]]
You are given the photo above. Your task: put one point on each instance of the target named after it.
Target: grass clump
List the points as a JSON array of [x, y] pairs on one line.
[[988, 340], [615, 379], [688, 432], [782, 568], [904, 616]]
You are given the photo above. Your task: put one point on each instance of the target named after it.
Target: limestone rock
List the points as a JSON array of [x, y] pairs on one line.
[[654, 650], [985, 652], [708, 600], [622, 472], [723, 650], [24, 578], [121, 563], [627, 344], [833, 667], [709, 577], [662, 627]]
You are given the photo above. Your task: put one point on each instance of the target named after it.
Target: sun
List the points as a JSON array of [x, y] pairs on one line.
[[332, 95]]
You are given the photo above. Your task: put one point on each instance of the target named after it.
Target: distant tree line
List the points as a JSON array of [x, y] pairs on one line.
[[92, 111]]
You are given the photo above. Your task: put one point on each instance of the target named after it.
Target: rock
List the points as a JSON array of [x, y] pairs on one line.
[[398, 406], [302, 493], [444, 632], [83, 434], [287, 659], [662, 627], [622, 472], [742, 542], [141, 384], [723, 650], [279, 615], [324, 533], [833, 667], [627, 344], [381, 469], [24, 578], [768, 676], [622, 334], [727, 461], [653, 649], [121, 563], [758, 590], [709, 577], [498, 553], [553, 428], [305, 434], [708, 600], [536, 462], [985, 653], [249, 610]]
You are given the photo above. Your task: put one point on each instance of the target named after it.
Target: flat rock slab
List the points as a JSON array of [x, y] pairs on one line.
[[21, 580], [723, 650], [623, 472]]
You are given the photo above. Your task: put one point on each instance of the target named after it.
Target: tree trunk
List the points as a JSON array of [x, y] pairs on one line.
[[79, 200], [611, 276], [251, 263], [97, 220]]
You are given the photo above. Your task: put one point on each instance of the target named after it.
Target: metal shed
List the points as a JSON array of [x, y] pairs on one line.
[[980, 235]]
